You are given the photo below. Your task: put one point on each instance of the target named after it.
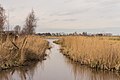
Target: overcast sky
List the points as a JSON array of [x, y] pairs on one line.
[[66, 14]]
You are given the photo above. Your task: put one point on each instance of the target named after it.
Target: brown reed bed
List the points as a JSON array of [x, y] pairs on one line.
[[19, 52], [96, 52]]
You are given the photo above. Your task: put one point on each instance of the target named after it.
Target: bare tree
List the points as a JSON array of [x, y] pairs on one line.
[[30, 25], [17, 29], [2, 18]]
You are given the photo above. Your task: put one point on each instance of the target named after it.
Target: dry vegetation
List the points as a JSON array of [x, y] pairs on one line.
[[19, 52], [16, 51], [95, 52]]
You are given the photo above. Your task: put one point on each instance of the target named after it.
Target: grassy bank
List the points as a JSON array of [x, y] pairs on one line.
[[20, 52], [95, 52]]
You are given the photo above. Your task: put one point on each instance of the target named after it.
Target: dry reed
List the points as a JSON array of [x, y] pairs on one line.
[[96, 52], [19, 52]]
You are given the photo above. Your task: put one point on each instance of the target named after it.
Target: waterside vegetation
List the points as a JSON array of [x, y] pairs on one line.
[[96, 52]]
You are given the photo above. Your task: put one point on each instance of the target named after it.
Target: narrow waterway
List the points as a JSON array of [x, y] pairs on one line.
[[56, 67]]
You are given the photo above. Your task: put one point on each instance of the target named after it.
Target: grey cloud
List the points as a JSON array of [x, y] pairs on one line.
[[12, 9], [98, 5], [55, 20], [43, 19], [68, 1], [110, 2], [16, 8], [73, 12], [70, 20], [64, 20]]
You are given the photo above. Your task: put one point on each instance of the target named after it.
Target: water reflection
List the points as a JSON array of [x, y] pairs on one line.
[[85, 73], [20, 73]]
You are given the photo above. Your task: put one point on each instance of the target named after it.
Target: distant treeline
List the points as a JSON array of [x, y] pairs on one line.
[[74, 34]]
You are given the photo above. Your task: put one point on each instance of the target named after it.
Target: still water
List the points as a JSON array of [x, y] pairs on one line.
[[56, 67]]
